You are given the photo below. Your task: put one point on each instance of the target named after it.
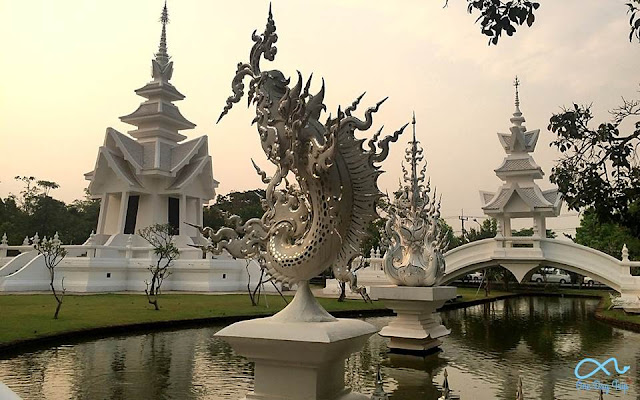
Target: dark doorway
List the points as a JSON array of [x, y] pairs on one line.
[[132, 215], [174, 214]]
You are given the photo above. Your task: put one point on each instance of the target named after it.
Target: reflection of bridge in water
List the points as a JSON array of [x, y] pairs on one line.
[[538, 339], [521, 261]]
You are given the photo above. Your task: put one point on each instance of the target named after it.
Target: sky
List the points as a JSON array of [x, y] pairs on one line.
[[69, 69]]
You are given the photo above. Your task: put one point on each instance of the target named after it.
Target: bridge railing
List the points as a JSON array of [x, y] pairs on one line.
[[518, 241], [8, 252]]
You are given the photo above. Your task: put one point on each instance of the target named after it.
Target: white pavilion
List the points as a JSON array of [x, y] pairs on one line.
[[155, 175], [520, 196]]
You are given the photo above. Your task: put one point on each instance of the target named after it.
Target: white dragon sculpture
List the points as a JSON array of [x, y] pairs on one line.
[[320, 221]]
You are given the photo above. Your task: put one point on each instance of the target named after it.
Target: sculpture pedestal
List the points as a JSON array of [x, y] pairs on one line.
[[414, 329], [299, 353]]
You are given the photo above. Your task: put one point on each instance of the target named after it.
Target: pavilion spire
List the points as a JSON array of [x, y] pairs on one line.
[[158, 116], [516, 84], [162, 56], [517, 118]]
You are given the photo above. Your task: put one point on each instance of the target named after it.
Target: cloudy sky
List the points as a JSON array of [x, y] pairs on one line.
[[69, 69]]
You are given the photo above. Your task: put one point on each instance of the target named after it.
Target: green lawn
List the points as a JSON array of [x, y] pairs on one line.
[[24, 317], [471, 294], [31, 316], [617, 314]]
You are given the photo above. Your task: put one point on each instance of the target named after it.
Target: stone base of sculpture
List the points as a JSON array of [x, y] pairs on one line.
[[299, 353], [414, 329]]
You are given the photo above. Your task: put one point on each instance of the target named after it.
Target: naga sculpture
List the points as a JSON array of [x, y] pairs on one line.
[[319, 221], [413, 231]]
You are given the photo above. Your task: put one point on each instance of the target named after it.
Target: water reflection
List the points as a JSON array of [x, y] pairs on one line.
[[540, 339]]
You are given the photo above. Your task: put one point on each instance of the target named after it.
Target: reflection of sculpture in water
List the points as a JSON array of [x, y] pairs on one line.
[[416, 240], [318, 222]]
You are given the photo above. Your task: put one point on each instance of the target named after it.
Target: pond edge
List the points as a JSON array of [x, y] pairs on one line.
[[10, 349]]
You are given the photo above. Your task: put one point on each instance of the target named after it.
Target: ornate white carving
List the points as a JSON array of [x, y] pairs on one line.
[[318, 222], [625, 253], [416, 242]]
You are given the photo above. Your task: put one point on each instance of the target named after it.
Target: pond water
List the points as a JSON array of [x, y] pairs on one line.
[[540, 339]]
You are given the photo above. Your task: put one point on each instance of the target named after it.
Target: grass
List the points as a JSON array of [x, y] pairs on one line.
[[25, 317], [471, 294], [618, 314]]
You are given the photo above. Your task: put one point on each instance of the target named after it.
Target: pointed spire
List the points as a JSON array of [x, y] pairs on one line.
[[516, 83], [162, 57], [517, 118], [414, 152]]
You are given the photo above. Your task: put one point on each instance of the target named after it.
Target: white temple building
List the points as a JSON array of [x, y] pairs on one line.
[[153, 175], [520, 196]]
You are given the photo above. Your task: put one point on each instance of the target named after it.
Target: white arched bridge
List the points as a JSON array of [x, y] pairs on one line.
[[522, 255]]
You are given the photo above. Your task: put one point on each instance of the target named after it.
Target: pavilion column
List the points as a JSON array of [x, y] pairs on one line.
[[183, 213], [104, 204], [158, 213], [199, 215], [539, 229], [542, 226], [506, 229], [124, 201]]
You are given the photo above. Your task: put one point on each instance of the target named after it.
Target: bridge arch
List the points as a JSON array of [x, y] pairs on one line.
[[521, 261]]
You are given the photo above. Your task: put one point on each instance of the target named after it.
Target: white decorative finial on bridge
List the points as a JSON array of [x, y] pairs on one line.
[[625, 253]]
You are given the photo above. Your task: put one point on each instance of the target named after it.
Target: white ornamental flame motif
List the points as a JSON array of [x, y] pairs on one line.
[[319, 221], [413, 231]]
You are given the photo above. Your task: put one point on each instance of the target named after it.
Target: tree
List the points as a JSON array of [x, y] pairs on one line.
[[599, 168], [29, 192], [497, 16], [488, 229], [47, 186], [53, 253], [254, 294], [529, 232], [607, 237], [246, 204], [373, 236], [453, 240], [83, 216], [160, 236]]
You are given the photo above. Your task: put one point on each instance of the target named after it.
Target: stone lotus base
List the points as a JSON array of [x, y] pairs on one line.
[[299, 353], [414, 329]]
